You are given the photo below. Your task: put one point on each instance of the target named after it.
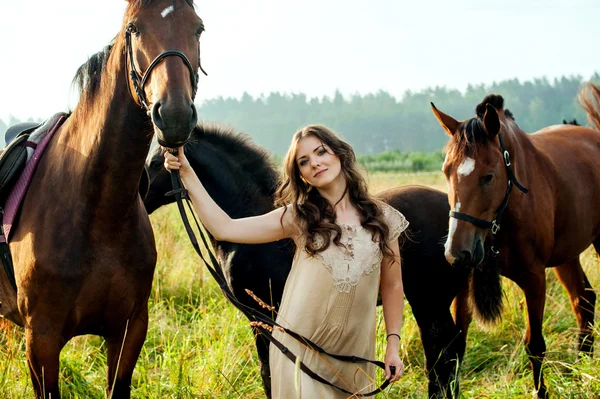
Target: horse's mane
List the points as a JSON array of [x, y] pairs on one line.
[[241, 150], [88, 76]]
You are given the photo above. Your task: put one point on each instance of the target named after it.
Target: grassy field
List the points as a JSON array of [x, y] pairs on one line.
[[199, 346]]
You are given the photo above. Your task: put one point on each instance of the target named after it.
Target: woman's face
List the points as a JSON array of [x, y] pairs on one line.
[[317, 163]]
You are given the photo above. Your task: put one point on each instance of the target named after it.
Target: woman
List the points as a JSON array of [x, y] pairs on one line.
[[347, 249]]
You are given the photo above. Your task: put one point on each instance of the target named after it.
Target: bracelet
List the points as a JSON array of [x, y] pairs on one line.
[[389, 335]]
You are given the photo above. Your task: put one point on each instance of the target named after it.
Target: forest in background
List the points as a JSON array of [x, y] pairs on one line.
[[404, 129]]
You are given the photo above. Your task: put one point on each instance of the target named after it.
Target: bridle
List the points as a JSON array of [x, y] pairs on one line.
[[494, 225], [139, 80]]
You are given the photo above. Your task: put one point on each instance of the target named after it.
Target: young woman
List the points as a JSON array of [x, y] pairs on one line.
[[347, 249]]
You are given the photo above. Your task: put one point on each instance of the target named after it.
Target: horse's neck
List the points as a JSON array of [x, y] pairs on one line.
[[106, 143], [232, 187], [526, 164]]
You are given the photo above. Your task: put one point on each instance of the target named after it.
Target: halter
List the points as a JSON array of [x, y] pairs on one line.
[[139, 81], [494, 225]]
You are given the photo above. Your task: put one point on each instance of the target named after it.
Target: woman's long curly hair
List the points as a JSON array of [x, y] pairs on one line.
[[314, 215]]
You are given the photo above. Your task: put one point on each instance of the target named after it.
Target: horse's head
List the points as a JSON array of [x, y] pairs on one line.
[[477, 179], [163, 58]]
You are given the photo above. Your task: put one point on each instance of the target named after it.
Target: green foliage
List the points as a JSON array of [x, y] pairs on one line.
[[397, 161]]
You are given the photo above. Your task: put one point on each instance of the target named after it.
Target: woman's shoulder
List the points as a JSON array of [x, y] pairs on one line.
[[395, 220]]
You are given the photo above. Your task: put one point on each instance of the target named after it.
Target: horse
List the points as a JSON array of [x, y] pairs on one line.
[[522, 203], [242, 179], [75, 270]]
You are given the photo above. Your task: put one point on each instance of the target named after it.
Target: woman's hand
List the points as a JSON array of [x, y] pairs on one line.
[[176, 162], [393, 359]]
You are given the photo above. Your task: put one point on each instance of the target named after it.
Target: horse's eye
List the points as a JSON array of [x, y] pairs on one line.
[[131, 28], [487, 179]]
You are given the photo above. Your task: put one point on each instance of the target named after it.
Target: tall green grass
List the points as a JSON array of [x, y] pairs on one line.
[[200, 346]]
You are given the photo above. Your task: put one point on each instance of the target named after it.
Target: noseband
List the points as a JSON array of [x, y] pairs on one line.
[[494, 225], [139, 81]]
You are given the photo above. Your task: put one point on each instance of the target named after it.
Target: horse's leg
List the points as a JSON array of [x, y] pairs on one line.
[[583, 300], [463, 314], [444, 346], [43, 354], [262, 348], [533, 284], [123, 350]]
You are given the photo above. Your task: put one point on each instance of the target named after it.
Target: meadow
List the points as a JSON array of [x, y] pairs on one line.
[[200, 346]]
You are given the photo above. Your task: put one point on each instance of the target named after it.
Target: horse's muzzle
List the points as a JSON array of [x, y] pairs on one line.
[[173, 123]]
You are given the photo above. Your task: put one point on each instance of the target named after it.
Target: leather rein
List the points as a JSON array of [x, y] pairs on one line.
[[262, 323], [494, 225]]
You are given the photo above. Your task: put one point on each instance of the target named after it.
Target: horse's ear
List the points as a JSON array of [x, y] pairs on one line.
[[448, 123], [491, 121]]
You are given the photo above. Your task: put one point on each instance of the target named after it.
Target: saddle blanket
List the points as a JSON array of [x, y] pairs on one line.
[[40, 137]]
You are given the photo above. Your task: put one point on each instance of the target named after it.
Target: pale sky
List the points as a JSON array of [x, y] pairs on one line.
[[310, 46]]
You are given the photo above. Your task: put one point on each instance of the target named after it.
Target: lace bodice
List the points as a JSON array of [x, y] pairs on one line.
[[358, 255]]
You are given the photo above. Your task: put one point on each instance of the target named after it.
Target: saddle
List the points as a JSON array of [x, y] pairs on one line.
[[14, 156]]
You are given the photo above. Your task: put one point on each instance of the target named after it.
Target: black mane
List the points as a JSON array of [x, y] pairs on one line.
[[239, 148], [89, 75]]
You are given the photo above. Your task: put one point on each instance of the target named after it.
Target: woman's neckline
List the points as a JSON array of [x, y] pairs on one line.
[[349, 224]]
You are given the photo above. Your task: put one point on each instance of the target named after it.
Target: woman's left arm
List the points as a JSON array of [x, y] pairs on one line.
[[392, 295]]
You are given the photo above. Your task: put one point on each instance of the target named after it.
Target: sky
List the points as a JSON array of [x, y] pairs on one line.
[[309, 46]]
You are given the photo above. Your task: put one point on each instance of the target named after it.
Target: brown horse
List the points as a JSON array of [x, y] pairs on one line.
[[83, 248], [548, 220]]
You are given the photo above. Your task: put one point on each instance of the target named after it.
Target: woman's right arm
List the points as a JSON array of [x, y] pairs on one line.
[[251, 230]]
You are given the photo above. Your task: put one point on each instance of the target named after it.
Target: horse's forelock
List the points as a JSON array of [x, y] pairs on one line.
[[464, 142]]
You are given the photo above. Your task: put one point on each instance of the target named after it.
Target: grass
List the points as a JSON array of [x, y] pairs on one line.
[[199, 346]]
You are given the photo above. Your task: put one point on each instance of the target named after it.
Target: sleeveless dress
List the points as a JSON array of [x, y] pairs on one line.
[[330, 298]]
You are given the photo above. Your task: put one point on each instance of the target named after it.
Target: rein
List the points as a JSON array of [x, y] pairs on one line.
[[139, 81], [264, 324], [494, 225]]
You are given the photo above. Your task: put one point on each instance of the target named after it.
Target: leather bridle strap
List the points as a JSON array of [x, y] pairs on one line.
[[494, 225], [138, 81], [216, 271]]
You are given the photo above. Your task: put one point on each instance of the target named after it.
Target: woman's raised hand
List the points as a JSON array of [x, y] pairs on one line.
[[176, 162]]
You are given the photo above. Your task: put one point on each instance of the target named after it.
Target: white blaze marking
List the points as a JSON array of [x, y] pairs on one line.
[[167, 11], [466, 167], [451, 230]]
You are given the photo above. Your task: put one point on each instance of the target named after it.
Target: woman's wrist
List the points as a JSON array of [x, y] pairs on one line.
[[393, 336]]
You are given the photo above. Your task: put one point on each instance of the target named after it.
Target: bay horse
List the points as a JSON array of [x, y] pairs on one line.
[[242, 179], [548, 219], [83, 247]]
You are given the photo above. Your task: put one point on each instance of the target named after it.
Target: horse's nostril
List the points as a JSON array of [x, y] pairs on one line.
[[465, 256], [156, 118]]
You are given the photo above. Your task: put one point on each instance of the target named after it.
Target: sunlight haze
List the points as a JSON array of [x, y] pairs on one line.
[[314, 47]]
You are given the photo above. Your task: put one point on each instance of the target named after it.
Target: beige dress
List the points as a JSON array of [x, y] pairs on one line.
[[331, 299]]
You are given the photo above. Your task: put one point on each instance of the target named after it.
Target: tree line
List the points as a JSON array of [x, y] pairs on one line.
[[378, 122]]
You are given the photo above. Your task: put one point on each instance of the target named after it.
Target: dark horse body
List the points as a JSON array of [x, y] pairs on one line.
[[83, 248], [549, 226], [242, 180]]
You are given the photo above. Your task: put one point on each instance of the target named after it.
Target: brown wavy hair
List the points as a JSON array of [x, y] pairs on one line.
[[315, 215]]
